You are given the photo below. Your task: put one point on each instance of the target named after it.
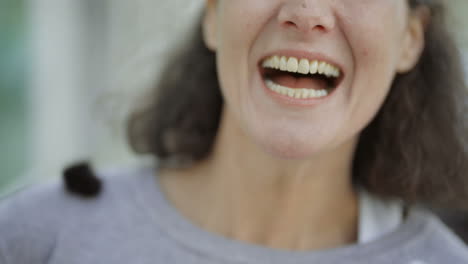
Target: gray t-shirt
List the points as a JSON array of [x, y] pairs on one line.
[[132, 222]]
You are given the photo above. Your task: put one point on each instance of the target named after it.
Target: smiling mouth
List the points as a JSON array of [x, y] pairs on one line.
[[299, 77]]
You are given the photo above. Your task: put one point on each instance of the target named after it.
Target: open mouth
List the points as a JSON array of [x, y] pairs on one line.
[[300, 78]]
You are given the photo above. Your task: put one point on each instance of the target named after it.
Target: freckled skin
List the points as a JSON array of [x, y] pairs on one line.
[[367, 37]]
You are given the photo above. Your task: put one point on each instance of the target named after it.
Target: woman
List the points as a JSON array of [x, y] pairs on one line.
[[289, 131]]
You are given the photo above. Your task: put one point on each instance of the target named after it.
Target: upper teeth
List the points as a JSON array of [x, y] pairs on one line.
[[303, 66]]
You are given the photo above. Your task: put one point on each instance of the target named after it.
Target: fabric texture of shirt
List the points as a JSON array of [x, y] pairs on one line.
[[133, 222]]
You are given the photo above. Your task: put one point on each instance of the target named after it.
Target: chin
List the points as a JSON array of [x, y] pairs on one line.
[[289, 148]]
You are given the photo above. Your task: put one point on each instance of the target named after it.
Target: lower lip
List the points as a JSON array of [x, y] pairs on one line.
[[290, 101]]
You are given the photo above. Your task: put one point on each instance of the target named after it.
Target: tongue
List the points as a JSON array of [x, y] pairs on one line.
[[299, 82]]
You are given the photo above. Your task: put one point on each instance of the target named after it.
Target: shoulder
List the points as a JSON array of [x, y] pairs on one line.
[[438, 243], [33, 220], [26, 224]]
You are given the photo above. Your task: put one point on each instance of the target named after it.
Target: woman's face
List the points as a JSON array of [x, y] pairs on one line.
[[301, 77]]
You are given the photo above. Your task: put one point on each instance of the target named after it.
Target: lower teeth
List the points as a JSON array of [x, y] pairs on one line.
[[295, 93]]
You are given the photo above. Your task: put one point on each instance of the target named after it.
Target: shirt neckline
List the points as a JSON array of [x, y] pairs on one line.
[[377, 217], [214, 246]]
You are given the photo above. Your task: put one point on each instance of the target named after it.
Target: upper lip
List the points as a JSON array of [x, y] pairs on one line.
[[311, 56]]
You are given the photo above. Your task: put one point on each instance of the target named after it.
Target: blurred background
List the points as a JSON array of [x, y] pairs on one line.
[[71, 70]]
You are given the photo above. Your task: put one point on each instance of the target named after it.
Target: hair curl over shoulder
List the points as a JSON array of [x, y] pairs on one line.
[[414, 149]]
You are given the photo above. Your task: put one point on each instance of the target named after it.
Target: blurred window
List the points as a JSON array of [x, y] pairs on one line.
[[13, 92]]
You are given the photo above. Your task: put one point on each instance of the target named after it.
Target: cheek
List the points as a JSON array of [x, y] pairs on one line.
[[375, 41], [239, 23], [376, 32], [374, 38], [374, 74]]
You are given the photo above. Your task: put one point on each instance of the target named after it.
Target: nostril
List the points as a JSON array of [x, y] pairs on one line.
[[320, 27], [290, 24]]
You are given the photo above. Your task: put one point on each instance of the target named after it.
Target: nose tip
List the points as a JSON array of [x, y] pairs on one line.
[[305, 16]]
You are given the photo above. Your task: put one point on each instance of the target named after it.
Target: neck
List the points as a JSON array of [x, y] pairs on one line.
[[244, 193]]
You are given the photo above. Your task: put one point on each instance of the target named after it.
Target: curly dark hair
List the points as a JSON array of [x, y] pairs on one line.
[[414, 149]]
